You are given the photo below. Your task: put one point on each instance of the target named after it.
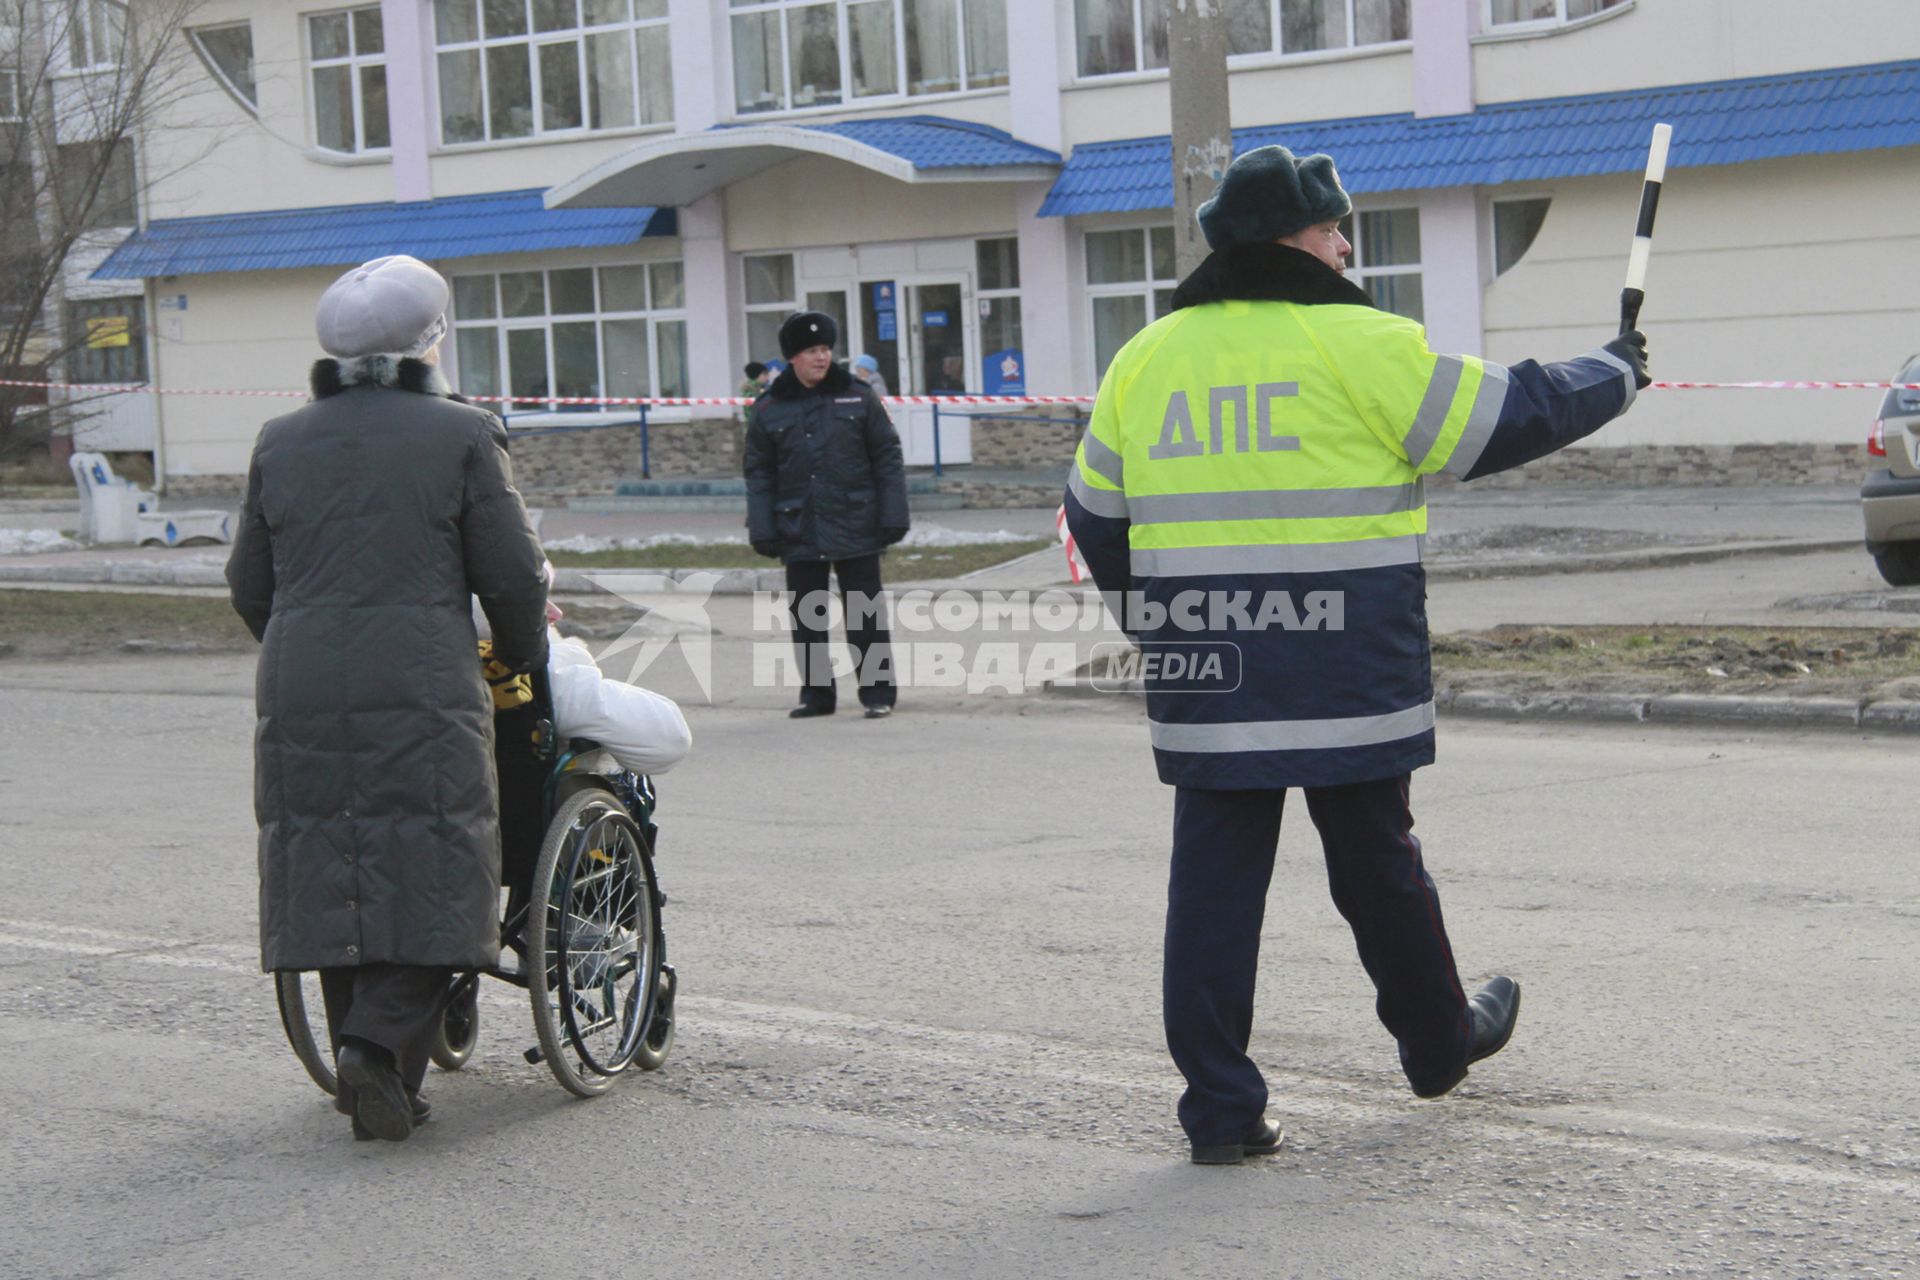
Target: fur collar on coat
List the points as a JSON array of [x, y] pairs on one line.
[[787, 385], [330, 377], [1267, 273]]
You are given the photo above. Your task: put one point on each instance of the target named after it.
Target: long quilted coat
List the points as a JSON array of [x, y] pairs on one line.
[[370, 516]]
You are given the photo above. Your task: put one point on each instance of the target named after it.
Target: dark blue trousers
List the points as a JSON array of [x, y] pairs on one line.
[[1223, 850]]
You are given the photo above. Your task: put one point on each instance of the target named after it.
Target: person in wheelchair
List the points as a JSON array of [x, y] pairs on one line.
[[371, 515]]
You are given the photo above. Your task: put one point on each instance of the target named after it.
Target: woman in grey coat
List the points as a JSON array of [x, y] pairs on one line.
[[372, 514]]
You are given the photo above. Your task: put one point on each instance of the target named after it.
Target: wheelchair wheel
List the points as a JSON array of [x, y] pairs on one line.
[[593, 943], [303, 1014], [459, 1028], [658, 1042]]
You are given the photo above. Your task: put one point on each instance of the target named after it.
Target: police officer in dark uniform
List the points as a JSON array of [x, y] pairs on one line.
[[826, 492]]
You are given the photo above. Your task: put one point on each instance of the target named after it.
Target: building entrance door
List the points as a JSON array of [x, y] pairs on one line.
[[917, 331], [939, 339]]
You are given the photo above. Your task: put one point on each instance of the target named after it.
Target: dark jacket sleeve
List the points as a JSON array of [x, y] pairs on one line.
[[1548, 407], [250, 566], [505, 565], [889, 467], [761, 465]]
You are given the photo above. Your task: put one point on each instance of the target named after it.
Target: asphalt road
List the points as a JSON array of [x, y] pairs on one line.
[[919, 1034]]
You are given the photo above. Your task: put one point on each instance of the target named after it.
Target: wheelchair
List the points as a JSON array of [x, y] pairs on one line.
[[581, 922]]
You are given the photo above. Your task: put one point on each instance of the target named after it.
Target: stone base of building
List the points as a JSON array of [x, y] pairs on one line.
[[579, 462]]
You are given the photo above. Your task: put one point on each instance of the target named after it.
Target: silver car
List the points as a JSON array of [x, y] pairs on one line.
[[1891, 497]]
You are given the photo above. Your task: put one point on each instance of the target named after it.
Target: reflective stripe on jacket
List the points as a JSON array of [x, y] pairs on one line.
[[1253, 477]]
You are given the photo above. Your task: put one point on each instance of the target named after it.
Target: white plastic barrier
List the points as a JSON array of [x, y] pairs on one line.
[[114, 509]]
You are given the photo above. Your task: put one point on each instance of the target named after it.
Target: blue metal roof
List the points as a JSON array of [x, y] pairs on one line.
[[342, 235], [1718, 122], [935, 142]]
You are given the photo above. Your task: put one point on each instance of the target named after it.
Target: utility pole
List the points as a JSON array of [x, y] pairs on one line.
[[1202, 130]]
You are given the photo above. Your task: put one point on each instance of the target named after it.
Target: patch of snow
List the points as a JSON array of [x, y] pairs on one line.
[[581, 542], [16, 542], [933, 535]]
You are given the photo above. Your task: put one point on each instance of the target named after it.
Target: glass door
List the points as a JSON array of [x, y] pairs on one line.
[[938, 339]]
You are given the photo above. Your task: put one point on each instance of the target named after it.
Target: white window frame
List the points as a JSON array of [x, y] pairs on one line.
[[783, 308], [1360, 272], [502, 324], [194, 34], [535, 41], [1004, 293], [1275, 50], [96, 21], [354, 62], [970, 80], [1559, 17], [1151, 287]]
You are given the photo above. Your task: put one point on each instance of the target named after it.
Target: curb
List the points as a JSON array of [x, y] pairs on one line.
[[1438, 570]]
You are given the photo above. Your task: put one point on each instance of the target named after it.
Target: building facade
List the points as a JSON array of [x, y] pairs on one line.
[[630, 194]]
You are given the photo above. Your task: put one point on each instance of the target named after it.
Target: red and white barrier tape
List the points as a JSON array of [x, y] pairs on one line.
[[680, 402]]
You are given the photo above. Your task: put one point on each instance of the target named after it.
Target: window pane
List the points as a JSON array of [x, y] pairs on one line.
[[229, 49], [1162, 302], [1115, 257], [560, 86], [756, 62], [1389, 237], [1523, 10], [1515, 224], [576, 359], [455, 20], [110, 338], [368, 35], [1154, 32], [570, 292], [527, 362], [333, 108], [610, 80], [644, 9], [473, 298], [998, 262], [1164, 263], [833, 303], [1398, 294], [813, 50], [328, 35], [628, 373], [461, 115], [986, 43], [1250, 26], [522, 293], [1378, 21], [553, 15], [871, 49], [373, 106], [1587, 8], [669, 286], [1104, 29], [769, 278], [933, 46], [1312, 24], [504, 17], [763, 334], [509, 91], [656, 74], [999, 325], [623, 288], [672, 335], [479, 356], [1114, 321], [598, 11]]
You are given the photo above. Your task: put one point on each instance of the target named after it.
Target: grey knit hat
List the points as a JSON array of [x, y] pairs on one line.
[[1268, 194], [395, 305]]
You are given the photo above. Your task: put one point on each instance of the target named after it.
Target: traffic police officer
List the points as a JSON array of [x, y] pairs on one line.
[[1248, 494]]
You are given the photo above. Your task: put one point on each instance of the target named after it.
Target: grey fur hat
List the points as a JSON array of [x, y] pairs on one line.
[[390, 305], [1267, 194]]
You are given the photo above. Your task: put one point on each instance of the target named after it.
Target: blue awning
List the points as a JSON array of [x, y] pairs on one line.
[[681, 168], [343, 235], [1717, 122]]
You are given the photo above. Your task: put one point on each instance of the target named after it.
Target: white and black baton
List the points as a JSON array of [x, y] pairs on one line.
[[1636, 291]]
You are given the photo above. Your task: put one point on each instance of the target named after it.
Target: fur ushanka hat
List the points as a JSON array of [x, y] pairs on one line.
[[1268, 194]]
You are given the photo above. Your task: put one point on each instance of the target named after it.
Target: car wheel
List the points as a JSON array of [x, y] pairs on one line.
[[1899, 563]]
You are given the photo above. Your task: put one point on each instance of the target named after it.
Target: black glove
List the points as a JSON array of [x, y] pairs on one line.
[[892, 534], [767, 548], [1631, 347]]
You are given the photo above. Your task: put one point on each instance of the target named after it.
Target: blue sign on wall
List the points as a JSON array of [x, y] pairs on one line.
[[884, 323], [1004, 373], [934, 319], [883, 296]]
